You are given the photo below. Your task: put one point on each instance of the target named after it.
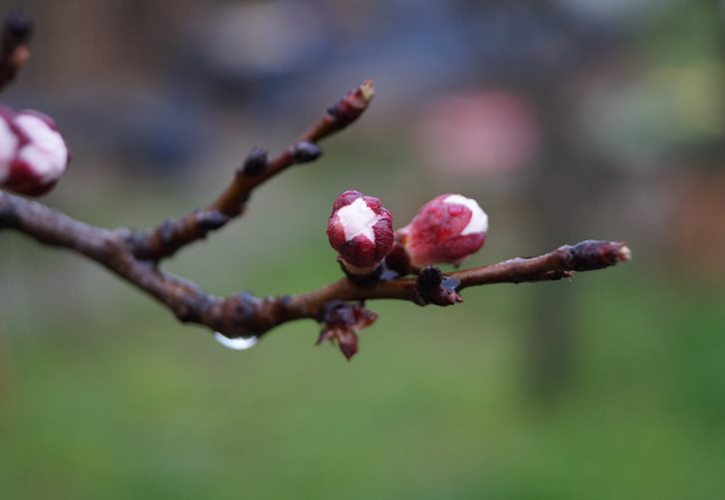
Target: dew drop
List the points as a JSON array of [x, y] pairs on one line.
[[238, 344]]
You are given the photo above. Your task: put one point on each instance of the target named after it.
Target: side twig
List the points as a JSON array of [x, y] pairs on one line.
[[170, 236]]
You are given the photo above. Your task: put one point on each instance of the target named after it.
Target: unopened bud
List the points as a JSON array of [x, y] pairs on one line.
[[33, 155], [361, 230], [447, 229]]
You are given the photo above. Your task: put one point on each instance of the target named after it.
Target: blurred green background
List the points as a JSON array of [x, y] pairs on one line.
[[567, 120]]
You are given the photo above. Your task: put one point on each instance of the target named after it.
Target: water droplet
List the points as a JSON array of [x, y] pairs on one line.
[[238, 344]]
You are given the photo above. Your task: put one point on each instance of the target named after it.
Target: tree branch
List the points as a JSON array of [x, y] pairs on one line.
[[244, 315], [338, 306], [170, 236]]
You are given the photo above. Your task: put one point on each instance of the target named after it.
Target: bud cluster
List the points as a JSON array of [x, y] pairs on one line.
[[33, 155], [447, 229]]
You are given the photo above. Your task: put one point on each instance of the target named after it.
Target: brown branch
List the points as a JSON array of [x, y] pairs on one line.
[[14, 51], [246, 315], [172, 235]]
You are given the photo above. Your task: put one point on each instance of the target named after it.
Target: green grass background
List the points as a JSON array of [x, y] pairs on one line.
[[104, 395]]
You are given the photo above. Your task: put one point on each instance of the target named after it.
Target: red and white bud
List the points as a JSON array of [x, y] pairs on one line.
[[33, 155], [361, 230], [447, 229]]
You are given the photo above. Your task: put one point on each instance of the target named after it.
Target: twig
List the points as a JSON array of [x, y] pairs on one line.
[[246, 315], [172, 235]]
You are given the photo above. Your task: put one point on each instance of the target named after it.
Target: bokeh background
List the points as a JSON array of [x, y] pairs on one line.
[[566, 119]]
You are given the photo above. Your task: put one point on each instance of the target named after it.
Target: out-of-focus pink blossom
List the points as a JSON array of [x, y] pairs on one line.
[[488, 131]]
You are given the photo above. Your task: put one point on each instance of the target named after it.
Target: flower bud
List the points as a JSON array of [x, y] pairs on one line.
[[361, 230], [33, 155], [447, 229], [342, 322]]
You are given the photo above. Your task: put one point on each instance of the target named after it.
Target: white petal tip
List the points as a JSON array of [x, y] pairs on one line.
[[358, 219], [479, 219]]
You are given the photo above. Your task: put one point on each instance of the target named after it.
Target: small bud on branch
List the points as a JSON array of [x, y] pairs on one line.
[[306, 151], [349, 108], [255, 163]]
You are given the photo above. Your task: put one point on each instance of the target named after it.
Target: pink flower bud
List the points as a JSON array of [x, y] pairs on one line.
[[448, 229], [361, 230], [33, 155]]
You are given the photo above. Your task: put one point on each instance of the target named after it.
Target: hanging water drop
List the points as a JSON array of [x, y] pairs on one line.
[[238, 344]]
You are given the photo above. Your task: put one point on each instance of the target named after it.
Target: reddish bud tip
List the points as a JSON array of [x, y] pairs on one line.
[[447, 229], [33, 155], [349, 108], [361, 230]]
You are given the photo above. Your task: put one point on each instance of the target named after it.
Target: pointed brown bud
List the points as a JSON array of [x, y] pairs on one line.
[[349, 108], [306, 151], [255, 163], [594, 254]]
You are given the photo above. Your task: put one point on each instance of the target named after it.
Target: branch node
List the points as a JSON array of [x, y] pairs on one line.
[[210, 220], [305, 152], [255, 163], [434, 287]]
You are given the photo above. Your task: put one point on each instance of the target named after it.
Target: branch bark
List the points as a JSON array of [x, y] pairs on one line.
[[245, 315]]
